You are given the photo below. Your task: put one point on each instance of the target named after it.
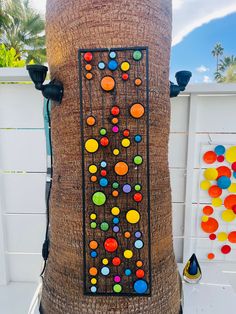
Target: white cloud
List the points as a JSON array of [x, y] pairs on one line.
[[202, 69], [190, 14], [206, 79]]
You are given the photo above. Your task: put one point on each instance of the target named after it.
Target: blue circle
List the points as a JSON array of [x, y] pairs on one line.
[[220, 150], [138, 244], [128, 272], [101, 65], [112, 54], [94, 254], [93, 289], [223, 182], [138, 234], [105, 271], [112, 65], [138, 138], [103, 164], [103, 182], [116, 220], [140, 286], [126, 188], [234, 174]]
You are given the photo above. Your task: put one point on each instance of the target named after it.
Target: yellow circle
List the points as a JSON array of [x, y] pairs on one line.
[[125, 66], [205, 185], [125, 142], [205, 218], [93, 281], [228, 215], [210, 174], [128, 254], [116, 151], [105, 261], [93, 216], [133, 216], [115, 211], [230, 154], [232, 188], [93, 169], [91, 145], [222, 236], [216, 202]]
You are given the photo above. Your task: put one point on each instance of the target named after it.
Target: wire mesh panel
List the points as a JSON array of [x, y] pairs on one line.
[[115, 142]]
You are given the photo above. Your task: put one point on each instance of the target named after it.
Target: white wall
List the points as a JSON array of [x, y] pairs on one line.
[[23, 166]]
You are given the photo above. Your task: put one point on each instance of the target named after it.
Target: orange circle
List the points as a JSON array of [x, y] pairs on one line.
[[139, 263], [209, 157], [89, 76], [210, 226], [232, 237], [93, 245], [215, 191], [93, 178], [138, 82], [127, 234], [88, 67], [121, 168], [230, 201], [137, 111], [211, 256], [207, 210], [107, 83], [115, 120], [115, 193], [90, 121], [93, 271], [223, 171]]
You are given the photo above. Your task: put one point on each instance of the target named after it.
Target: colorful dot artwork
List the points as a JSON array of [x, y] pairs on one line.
[[218, 185], [115, 160]]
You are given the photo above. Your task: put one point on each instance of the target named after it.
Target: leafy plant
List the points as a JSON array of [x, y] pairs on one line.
[[9, 58]]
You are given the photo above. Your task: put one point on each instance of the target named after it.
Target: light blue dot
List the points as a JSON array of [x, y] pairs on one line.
[[140, 286], [103, 164], [112, 54], [93, 289], [220, 150], [138, 138], [223, 182], [112, 65], [138, 244], [103, 182], [101, 65], [128, 272], [93, 254], [105, 271], [116, 220]]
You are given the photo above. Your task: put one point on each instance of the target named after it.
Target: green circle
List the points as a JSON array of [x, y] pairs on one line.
[[115, 185], [138, 160], [93, 225], [137, 55], [99, 198], [117, 288], [137, 187], [103, 131], [104, 226]]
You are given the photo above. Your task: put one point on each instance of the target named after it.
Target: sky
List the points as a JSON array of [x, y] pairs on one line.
[[197, 26]]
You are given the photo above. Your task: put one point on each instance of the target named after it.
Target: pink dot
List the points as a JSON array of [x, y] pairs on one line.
[[220, 158], [115, 129], [117, 278]]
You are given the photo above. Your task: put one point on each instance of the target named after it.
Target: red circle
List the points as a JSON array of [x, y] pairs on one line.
[[208, 210], [223, 171], [138, 197], [210, 226], [104, 141], [116, 261], [230, 201], [110, 245], [234, 208], [103, 173], [125, 76], [212, 236], [209, 157], [115, 111], [140, 273], [220, 158], [88, 56], [214, 191], [226, 249], [233, 166], [126, 133]]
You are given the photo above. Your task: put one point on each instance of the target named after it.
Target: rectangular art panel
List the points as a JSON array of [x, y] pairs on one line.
[[115, 156]]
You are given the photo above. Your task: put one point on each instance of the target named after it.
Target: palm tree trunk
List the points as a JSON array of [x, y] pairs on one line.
[[74, 25]]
